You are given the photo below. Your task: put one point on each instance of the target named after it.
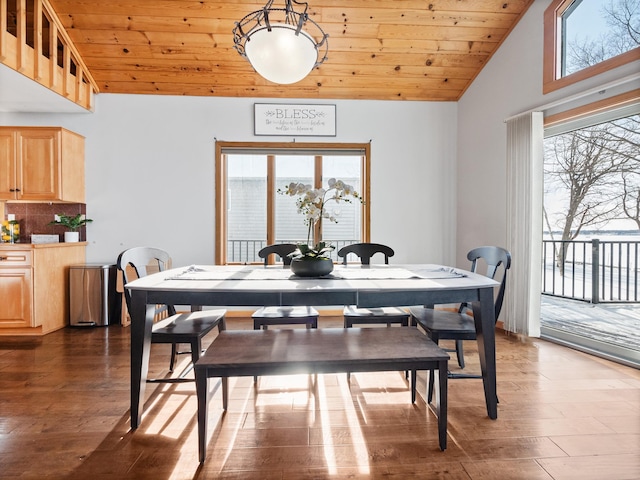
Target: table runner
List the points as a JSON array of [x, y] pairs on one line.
[[377, 272]]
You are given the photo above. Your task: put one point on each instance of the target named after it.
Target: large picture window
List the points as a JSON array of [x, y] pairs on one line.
[[585, 38], [250, 213], [591, 224]]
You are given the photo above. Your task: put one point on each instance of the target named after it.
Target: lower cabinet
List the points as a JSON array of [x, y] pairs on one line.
[[34, 286], [16, 294]]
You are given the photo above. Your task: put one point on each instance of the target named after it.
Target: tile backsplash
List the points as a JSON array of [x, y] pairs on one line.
[[35, 218]]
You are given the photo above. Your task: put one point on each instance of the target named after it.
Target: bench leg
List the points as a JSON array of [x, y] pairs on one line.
[[225, 392], [442, 403], [413, 386], [430, 384], [202, 393]]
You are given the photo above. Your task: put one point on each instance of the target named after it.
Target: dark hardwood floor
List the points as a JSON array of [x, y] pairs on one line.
[[64, 414]]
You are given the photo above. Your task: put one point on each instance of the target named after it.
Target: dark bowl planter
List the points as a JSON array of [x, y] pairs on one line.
[[311, 267]]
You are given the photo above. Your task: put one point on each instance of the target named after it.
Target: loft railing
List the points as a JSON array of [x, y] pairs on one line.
[[592, 270], [34, 43], [246, 251]]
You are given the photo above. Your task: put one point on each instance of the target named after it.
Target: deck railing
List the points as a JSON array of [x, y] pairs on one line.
[[592, 270], [246, 251]]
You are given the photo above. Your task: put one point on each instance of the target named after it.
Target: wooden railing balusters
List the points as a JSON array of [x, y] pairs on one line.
[[24, 50]]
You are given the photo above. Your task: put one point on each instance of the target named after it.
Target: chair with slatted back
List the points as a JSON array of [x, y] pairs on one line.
[[171, 327], [383, 315], [266, 316], [459, 326], [367, 316]]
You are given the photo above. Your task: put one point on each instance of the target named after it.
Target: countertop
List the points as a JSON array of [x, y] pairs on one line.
[[30, 246]]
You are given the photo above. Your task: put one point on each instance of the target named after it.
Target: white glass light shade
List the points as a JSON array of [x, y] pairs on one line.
[[281, 56]]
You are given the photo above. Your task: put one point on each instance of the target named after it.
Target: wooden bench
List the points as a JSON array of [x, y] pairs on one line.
[[328, 350]]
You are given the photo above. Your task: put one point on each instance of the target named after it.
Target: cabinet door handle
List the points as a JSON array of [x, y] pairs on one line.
[[3, 258]]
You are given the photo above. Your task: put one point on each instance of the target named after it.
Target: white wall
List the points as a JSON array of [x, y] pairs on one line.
[[438, 169], [511, 83], [150, 170]]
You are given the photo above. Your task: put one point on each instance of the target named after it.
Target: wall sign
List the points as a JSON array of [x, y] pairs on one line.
[[296, 120]]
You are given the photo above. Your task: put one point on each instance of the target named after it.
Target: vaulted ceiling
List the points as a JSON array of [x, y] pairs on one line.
[[378, 49]]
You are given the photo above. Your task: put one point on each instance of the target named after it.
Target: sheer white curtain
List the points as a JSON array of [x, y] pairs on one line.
[[524, 222]]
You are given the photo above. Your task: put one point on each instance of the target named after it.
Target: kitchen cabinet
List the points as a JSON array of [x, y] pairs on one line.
[[15, 288], [41, 164], [34, 286]]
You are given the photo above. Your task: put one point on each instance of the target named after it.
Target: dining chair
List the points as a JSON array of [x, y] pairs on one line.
[[169, 327], [383, 315], [267, 316], [460, 325], [378, 315]]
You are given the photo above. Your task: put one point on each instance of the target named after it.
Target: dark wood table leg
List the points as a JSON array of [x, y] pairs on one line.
[[484, 315], [141, 323]]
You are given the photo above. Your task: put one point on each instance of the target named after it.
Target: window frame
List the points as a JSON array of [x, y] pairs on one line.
[[267, 148], [592, 109], [552, 50]]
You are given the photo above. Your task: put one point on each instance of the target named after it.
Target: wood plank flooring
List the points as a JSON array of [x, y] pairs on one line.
[[64, 401]]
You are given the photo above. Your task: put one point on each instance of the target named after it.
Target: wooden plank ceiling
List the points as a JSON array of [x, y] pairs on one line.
[[378, 49]]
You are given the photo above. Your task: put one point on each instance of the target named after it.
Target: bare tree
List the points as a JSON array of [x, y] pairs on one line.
[[586, 164], [628, 130], [623, 20], [591, 164], [631, 197], [623, 17]]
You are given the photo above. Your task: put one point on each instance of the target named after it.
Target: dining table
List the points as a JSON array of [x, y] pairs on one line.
[[365, 286]]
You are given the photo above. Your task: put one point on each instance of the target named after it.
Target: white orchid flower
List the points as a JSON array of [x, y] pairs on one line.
[[312, 204]]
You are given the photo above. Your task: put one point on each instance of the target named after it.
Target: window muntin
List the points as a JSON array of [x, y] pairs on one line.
[[250, 212], [579, 44]]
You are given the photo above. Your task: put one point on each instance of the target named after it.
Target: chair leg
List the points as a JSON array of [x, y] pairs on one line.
[[430, 386], [348, 324], [258, 326], [174, 354], [460, 353], [196, 349]]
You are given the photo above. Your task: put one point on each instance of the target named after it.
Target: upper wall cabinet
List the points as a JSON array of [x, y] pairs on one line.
[[41, 164]]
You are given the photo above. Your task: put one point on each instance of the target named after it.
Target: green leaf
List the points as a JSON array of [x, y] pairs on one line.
[[71, 222]]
